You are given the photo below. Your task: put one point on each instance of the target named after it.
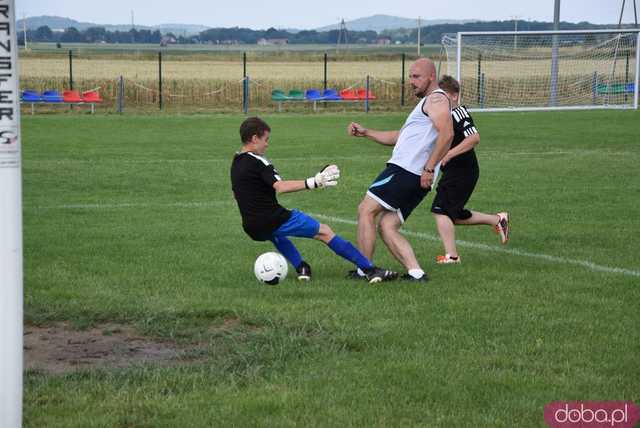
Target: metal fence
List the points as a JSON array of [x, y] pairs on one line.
[[147, 80]]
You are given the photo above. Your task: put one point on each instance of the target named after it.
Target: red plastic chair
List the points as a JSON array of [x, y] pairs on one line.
[[349, 94], [91, 97], [71, 97], [362, 94]]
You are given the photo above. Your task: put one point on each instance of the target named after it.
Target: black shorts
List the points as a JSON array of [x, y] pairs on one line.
[[397, 190], [453, 192]]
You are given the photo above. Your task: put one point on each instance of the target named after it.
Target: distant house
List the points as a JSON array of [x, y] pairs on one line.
[[278, 42], [168, 40], [383, 41]]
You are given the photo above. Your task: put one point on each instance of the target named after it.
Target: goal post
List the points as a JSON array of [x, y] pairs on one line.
[[545, 70], [11, 297]]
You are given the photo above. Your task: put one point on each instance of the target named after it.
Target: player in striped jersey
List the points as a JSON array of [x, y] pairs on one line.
[[460, 175]]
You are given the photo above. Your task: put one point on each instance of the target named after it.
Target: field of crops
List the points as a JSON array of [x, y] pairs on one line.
[[85, 68]]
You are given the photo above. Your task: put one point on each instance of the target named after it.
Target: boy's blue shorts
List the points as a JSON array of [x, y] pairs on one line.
[[299, 225]]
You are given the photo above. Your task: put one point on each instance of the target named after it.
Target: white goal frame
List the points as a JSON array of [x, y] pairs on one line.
[[554, 68]]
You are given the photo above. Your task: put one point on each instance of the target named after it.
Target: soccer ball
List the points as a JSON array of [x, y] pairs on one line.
[[271, 268]]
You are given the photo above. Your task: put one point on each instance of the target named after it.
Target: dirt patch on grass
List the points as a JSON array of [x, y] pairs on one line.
[[59, 349]]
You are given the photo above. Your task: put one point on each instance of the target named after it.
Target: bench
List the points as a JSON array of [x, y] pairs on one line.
[[328, 96], [615, 88], [51, 97]]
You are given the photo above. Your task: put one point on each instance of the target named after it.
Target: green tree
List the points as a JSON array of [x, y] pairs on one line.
[[43, 34]]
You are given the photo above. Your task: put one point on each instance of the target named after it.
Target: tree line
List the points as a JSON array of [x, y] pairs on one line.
[[429, 34]]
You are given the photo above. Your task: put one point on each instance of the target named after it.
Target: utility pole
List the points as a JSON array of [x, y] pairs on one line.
[[343, 37], [515, 37], [24, 29], [635, 14], [419, 25]]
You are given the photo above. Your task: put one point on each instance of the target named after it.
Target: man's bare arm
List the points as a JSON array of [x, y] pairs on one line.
[[437, 107], [386, 138]]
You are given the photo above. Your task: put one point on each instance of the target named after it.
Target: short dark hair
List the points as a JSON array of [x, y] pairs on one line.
[[449, 84], [253, 126]]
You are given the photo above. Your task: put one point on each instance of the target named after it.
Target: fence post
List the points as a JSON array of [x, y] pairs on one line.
[[626, 77], [325, 77], [402, 82], [244, 65], [70, 69], [479, 74], [245, 95], [366, 97], [70, 75], [325, 71], [482, 90], [120, 94], [160, 80]]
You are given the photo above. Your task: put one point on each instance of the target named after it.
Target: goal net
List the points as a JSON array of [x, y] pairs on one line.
[[532, 70]]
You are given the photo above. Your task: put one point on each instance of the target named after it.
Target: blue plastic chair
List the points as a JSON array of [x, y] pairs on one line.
[[51, 96], [313, 95], [29, 96], [331, 94]]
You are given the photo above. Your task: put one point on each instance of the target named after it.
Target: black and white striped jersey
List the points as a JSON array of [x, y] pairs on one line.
[[463, 127], [462, 124]]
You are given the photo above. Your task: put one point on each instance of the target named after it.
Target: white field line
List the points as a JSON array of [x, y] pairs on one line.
[[484, 247], [102, 206], [379, 157]]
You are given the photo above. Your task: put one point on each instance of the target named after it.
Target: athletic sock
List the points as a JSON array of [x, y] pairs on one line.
[[416, 273], [288, 250], [346, 250]]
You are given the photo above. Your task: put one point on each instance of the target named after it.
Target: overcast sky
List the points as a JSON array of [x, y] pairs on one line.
[[306, 15]]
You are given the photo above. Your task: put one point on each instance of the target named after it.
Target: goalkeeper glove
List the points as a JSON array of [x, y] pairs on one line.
[[327, 177]]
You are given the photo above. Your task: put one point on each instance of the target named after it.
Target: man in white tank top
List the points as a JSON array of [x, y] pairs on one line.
[[419, 146]]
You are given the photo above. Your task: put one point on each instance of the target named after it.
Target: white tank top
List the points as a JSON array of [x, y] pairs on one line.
[[416, 141]]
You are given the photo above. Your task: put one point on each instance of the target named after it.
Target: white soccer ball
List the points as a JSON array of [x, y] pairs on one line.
[[271, 268]]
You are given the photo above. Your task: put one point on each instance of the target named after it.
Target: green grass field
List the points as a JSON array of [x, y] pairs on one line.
[[131, 220]]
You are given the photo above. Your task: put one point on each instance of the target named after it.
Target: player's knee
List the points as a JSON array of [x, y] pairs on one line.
[[361, 208], [365, 209], [325, 233], [389, 224]]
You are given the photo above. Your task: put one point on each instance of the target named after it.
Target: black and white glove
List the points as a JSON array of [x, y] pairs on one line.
[[327, 177]]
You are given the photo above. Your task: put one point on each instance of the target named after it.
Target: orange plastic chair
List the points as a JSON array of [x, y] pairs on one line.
[[71, 97], [91, 97], [362, 94], [349, 94]]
